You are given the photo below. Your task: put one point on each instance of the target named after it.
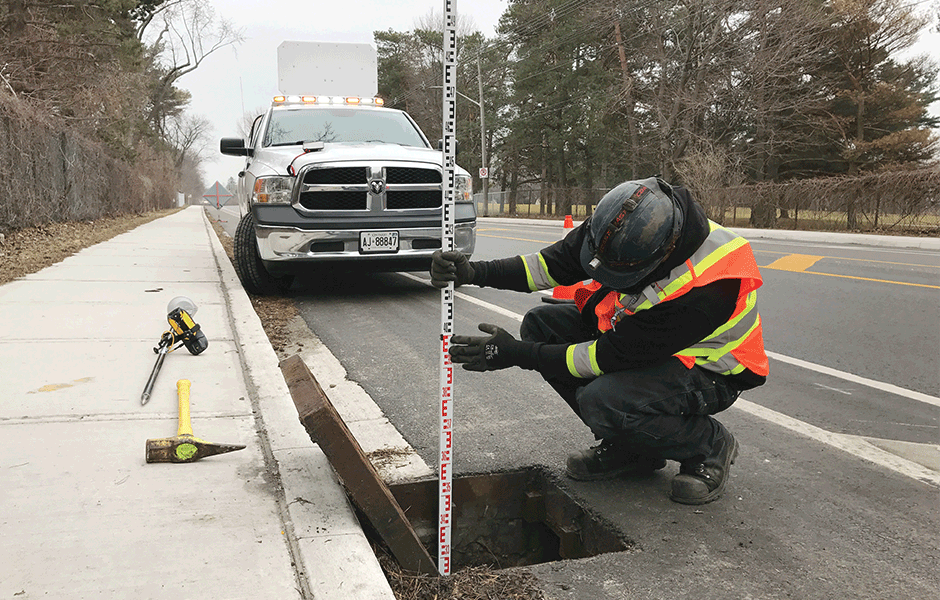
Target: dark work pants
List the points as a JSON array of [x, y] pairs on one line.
[[662, 409]]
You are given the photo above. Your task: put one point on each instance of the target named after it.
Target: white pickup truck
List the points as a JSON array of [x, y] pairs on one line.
[[339, 182]]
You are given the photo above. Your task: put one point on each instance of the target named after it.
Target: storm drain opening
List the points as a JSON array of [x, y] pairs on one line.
[[509, 519], [501, 520]]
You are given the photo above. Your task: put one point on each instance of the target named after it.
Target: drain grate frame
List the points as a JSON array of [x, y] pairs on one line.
[[509, 519]]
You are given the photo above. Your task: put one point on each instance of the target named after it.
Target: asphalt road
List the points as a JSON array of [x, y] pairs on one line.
[[810, 511]]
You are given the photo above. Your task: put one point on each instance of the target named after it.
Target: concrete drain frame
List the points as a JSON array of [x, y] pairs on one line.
[[505, 519], [508, 519]]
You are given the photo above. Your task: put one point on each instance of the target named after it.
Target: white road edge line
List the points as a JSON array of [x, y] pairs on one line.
[[853, 445], [848, 443], [878, 385]]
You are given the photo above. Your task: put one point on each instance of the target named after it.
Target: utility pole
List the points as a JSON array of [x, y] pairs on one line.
[[486, 180]]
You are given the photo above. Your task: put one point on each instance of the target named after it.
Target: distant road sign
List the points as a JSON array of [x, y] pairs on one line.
[[218, 192], [484, 173]]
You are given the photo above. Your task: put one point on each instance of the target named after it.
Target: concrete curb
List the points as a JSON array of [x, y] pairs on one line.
[[827, 237], [332, 555]]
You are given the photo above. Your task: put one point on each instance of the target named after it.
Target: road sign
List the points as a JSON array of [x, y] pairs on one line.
[[218, 193], [484, 173]]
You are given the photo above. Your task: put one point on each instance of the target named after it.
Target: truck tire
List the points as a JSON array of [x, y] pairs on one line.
[[254, 277]]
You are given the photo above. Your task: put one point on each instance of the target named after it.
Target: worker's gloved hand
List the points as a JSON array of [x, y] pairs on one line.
[[452, 265], [498, 350]]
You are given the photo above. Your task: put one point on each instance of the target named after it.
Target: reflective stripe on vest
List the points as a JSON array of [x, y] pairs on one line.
[[536, 272], [723, 254], [582, 360], [732, 347]]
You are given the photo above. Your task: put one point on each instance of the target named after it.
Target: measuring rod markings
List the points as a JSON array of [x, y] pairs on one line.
[[448, 226]]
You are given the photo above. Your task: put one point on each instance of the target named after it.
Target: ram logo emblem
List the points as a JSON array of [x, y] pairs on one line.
[[376, 186]]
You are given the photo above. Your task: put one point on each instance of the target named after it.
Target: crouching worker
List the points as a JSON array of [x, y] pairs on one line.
[[665, 335]]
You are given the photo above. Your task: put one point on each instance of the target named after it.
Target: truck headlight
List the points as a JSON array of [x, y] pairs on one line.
[[464, 185], [273, 190]]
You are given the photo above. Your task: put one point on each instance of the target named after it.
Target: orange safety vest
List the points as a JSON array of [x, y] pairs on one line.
[[736, 345]]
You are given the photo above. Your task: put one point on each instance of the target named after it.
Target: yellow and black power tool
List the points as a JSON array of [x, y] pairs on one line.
[[184, 331]]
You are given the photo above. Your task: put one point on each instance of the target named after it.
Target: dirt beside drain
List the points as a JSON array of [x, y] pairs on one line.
[[472, 583]]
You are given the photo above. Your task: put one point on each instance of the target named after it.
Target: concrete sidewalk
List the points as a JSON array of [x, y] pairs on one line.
[[82, 515]]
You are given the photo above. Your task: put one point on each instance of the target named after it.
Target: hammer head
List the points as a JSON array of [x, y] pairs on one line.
[[184, 449]]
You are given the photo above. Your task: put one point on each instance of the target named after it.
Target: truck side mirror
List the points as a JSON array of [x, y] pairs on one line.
[[234, 147]]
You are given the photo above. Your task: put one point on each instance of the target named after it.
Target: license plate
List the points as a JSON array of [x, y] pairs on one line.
[[378, 241]]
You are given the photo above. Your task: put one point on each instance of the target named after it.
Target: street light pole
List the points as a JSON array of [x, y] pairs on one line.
[[486, 180]]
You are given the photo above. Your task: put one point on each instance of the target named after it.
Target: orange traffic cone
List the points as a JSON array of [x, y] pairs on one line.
[[568, 222]]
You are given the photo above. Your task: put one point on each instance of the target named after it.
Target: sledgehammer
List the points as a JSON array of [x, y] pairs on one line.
[[185, 447]]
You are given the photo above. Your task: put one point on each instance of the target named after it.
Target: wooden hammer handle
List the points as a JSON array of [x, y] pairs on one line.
[[182, 390]]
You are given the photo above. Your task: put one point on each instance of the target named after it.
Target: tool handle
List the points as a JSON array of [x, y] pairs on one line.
[[182, 390], [148, 389]]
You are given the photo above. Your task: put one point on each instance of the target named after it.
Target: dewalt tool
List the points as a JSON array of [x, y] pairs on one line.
[[185, 447], [183, 332]]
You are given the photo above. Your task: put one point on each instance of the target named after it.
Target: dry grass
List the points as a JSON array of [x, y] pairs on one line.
[[27, 250], [472, 583]]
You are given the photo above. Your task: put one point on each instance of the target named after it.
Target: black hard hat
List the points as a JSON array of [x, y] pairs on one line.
[[633, 230]]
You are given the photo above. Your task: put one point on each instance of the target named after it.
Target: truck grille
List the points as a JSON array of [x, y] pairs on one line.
[[334, 200], [409, 175], [413, 199], [347, 188], [338, 176]]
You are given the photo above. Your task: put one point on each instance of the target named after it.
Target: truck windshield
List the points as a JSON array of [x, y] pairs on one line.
[[340, 126]]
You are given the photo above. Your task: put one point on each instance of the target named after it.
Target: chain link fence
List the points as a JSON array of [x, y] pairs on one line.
[[50, 174], [901, 202]]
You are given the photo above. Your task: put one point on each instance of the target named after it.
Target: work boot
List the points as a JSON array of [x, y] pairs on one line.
[[611, 459], [700, 481]]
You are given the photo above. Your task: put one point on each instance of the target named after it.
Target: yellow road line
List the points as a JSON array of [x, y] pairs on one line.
[[923, 285], [868, 260], [794, 263]]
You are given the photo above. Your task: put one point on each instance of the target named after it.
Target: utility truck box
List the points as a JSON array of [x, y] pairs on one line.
[[334, 179]]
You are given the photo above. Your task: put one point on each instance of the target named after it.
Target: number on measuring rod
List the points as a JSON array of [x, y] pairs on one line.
[[378, 241]]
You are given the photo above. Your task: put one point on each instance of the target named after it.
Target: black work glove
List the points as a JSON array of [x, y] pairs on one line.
[[498, 350], [452, 265]]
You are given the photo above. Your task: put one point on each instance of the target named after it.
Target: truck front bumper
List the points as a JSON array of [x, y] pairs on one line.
[[279, 245]]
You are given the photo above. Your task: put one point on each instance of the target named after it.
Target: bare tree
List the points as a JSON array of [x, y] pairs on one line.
[[706, 169], [244, 125], [190, 177], [181, 35], [188, 135]]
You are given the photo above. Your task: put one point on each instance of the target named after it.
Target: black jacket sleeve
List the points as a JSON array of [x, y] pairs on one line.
[[652, 335], [562, 258]]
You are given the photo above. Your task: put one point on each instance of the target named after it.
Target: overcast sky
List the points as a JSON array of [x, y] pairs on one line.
[[234, 80]]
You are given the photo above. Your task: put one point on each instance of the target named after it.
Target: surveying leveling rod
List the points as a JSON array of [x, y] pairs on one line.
[[448, 225]]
